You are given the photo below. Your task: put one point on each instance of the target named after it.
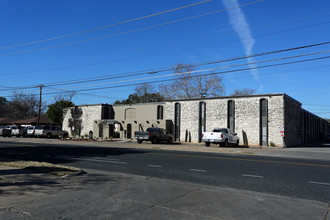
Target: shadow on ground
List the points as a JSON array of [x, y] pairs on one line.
[[25, 181], [312, 145], [18, 182], [57, 153]]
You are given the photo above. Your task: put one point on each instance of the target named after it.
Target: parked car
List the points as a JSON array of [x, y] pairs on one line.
[[155, 135], [8, 130], [21, 132], [1, 128], [221, 136], [30, 131], [14, 130], [50, 131]]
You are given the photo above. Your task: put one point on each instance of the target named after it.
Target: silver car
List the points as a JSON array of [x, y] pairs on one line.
[[30, 131]]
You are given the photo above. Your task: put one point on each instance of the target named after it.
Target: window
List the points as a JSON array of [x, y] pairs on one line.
[[163, 131], [264, 122], [202, 120], [160, 112], [231, 115], [177, 119]]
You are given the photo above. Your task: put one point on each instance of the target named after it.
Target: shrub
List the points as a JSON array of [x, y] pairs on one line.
[[272, 144]]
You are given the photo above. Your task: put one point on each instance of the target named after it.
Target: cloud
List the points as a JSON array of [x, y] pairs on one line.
[[241, 27]]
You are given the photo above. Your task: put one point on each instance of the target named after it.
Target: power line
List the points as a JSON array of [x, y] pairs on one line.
[[131, 31], [164, 69], [231, 41], [107, 26], [82, 93], [210, 69], [229, 71], [167, 44], [216, 73]]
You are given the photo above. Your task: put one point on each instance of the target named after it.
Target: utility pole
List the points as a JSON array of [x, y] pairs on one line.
[[40, 103]]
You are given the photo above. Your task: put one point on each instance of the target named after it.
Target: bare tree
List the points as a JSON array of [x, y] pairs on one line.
[[65, 97], [4, 108], [192, 84], [144, 88], [144, 93], [24, 106], [245, 91]]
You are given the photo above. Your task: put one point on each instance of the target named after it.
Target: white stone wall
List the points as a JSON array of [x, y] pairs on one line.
[[247, 117], [90, 114]]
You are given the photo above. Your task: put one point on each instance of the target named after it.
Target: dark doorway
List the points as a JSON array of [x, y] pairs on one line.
[[111, 131], [129, 131], [169, 127], [101, 130]]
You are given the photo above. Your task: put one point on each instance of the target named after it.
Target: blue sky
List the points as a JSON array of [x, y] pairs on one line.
[[32, 54]]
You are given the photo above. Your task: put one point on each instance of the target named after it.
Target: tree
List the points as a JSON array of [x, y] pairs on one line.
[[245, 91], [4, 107], [75, 122], [56, 111], [24, 106], [144, 88], [144, 93], [190, 83], [65, 97]]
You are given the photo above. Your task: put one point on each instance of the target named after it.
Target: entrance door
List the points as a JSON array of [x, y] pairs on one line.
[[111, 131], [129, 131]]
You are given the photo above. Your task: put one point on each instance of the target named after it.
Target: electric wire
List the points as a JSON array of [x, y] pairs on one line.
[[204, 70], [231, 41], [166, 44], [164, 69], [126, 32], [214, 73], [107, 26]]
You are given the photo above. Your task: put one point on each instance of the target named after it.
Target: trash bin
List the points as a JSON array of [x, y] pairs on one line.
[[90, 136]]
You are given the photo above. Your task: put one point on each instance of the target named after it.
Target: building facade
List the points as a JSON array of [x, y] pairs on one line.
[[81, 120], [269, 119]]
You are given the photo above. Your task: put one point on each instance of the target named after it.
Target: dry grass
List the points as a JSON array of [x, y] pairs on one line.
[[44, 167]]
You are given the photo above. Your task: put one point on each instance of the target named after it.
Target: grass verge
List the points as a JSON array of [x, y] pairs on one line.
[[43, 167]]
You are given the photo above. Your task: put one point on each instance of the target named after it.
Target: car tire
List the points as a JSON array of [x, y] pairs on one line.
[[207, 144], [154, 140], [170, 141], [49, 135], [226, 143], [139, 141], [237, 143]]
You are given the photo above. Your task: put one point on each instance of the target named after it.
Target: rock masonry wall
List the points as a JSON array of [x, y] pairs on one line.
[[247, 117]]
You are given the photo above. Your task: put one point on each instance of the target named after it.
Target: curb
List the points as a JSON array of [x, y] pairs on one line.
[[78, 173]]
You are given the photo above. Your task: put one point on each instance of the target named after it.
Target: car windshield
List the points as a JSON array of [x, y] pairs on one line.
[[39, 127], [223, 130], [30, 128]]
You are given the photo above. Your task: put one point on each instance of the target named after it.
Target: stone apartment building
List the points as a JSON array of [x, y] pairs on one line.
[[268, 119]]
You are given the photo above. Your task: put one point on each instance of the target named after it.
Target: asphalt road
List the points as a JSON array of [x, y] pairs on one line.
[[298, 178]]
